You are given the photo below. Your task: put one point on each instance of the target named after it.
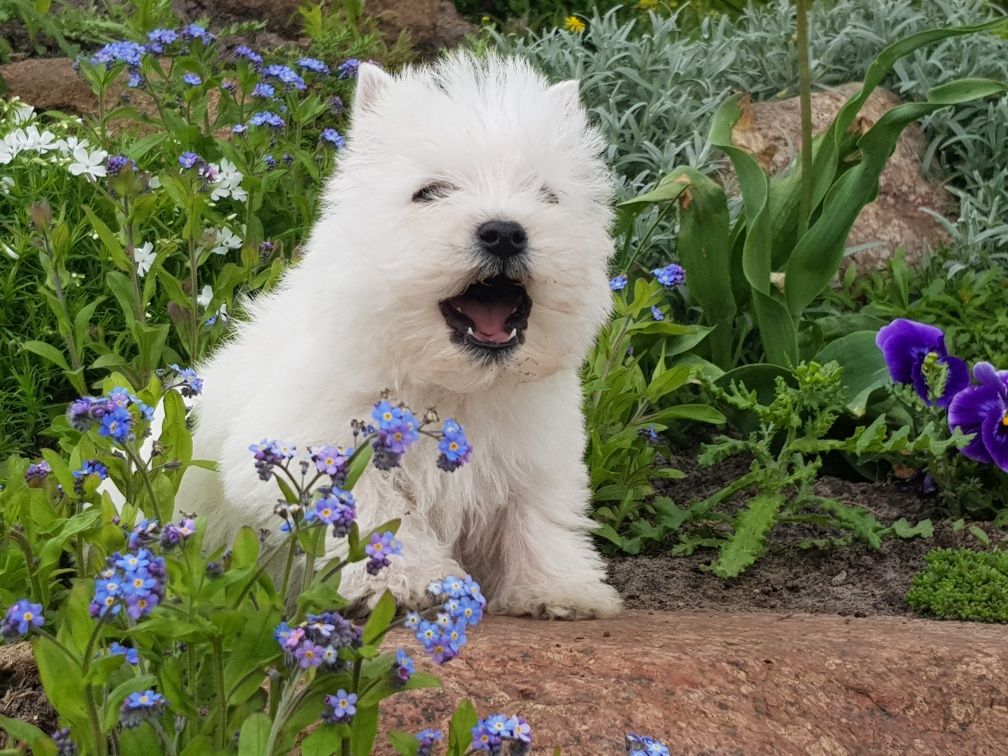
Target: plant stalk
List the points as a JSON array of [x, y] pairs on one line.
[[805, 100]]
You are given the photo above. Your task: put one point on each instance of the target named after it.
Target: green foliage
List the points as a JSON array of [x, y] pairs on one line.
[[207, 645], [339, 30], [653, 85], [791, 434], [547, 14], [967, 299], [75, 299], [631, 381], [776, 265], [962, 584]]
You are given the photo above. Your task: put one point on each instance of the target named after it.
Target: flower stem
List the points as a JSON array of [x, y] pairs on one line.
[[25, 545], [142, 470], [218, 657], [288, 704], [101, 743], [805, 99], [194, 296], [287, 570]]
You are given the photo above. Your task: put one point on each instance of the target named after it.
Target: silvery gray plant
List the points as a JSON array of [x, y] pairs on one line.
[[653, 86]]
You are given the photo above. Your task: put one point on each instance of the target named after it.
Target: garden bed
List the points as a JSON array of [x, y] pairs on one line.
[[853, 580]]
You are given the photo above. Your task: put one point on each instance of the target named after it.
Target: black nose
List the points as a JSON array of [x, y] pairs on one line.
[[502, 238]]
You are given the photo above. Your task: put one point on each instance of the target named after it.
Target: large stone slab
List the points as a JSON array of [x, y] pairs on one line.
[[733, 684]]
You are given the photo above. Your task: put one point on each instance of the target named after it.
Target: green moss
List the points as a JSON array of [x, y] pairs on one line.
[[962, 584]]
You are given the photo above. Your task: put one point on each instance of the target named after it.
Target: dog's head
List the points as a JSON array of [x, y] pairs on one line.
[[474, 212]]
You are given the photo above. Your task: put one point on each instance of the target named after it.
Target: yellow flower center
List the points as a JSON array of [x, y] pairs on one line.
[[1004, 420]]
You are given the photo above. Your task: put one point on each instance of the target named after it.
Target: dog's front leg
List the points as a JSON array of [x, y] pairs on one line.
[[544, 563], [425, 557]]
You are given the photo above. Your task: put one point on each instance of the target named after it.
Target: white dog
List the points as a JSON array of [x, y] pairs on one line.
[[460, 260]]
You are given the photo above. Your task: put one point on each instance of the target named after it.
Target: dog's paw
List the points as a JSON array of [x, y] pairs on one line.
[[408, 585], [595, 601]]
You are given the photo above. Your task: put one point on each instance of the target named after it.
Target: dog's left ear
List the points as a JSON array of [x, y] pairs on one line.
[[371, 80], [567, 93]]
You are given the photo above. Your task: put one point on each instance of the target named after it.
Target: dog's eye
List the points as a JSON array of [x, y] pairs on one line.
[[549, 195], [434, 191]]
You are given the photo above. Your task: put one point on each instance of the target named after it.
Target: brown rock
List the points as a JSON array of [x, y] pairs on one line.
[[732, 684], [431, 24], [898, 217], [52, 84], [49, 84]]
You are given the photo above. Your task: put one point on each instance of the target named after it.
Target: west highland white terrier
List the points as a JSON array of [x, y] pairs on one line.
[[460, 261]]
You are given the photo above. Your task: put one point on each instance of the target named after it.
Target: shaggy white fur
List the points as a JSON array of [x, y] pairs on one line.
[[361, 312]]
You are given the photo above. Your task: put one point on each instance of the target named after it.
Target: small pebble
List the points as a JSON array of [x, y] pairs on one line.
[[840, 578]]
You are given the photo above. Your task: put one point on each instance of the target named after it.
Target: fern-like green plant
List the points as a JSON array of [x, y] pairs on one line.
[[791, 433]]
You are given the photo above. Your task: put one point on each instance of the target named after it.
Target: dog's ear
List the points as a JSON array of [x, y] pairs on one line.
[[567, 93], [371, 80]]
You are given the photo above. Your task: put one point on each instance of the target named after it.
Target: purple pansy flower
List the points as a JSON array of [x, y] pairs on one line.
[[914, 353], [983, 409]]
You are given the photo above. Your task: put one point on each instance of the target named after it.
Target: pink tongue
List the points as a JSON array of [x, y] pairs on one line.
[[488, 319]]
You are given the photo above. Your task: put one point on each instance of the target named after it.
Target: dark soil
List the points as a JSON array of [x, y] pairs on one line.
[[21, 694], [849, 580]]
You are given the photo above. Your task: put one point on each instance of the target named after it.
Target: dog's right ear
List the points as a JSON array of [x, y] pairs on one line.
[[371, 80]]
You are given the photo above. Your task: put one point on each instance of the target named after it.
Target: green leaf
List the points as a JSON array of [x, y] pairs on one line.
[[980, 534], [903, 529], [245, 551], [48, 351], [405, 743], [363, 730], [864, 367], [39, 743], [121, 288], [700, 413], [961, 90], [61, 678], [460, 728], [381, 617], [325, 741], [254, 735], [114, 701], [747, 541], [109, 240], [199, 746]]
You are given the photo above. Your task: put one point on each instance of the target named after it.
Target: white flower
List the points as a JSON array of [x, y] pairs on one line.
[[71, 143], [226, 241], [11, 145], [228, 181], [23, 114], [205, 297], [144, 257], [221, 314], [39, 141], [154, 182], [6, 184], [9, 252], [90, 164]]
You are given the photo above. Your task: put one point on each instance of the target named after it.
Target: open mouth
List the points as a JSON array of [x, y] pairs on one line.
[[490, 316]]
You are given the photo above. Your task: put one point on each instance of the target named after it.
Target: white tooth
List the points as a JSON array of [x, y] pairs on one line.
[[514, 332], [458, 309], [469, 332]]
